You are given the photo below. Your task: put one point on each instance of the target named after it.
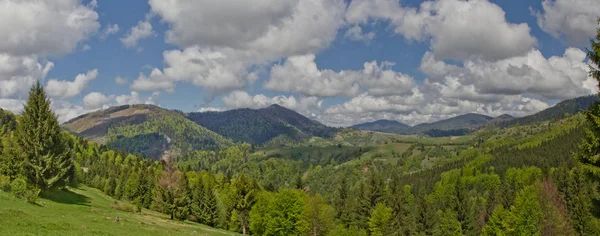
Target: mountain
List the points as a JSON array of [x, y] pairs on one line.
[[145, 129], [384, 126], [558, 111], [458, 125], [261, 126], [458, 122]]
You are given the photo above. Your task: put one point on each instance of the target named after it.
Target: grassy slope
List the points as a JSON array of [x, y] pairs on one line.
[[87, 211]]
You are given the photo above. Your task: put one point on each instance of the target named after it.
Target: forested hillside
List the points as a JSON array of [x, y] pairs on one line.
[[272, 124], [571, 106], [145, 129], [518, 180]]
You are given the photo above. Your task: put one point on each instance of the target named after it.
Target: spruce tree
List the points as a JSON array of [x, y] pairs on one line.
[[589, 155], [47, 161]]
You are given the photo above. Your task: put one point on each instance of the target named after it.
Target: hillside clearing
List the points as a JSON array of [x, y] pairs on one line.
[[87, 211]]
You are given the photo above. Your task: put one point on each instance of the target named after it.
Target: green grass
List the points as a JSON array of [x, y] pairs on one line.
[[87, 211]]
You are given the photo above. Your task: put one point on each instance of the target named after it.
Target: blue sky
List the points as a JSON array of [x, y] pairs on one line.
[[339, 62]]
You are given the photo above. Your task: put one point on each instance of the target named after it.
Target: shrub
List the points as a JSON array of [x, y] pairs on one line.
[[18, 187], [32, 195], [4, 183], [123, 207]]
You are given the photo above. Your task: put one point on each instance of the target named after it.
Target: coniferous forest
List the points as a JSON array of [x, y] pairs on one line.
[[533, 178]]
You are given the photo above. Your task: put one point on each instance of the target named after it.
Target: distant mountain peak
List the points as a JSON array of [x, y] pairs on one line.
[[505, 116]]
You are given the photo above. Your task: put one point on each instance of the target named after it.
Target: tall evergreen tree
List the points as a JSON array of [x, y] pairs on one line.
[[589, 155], [46, 156]]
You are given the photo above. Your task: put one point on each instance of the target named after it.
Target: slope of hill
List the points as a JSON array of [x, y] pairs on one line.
[[145, 129], [386, 126], [571, 106], [262, 125], [87, 211], [454, 123]]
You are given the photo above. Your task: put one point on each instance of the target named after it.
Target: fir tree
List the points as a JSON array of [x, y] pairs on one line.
[[47, 161], [589, 155]]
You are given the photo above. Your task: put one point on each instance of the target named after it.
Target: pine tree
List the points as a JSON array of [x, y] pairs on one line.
[[46, 155], [380, 220], [589, 155]]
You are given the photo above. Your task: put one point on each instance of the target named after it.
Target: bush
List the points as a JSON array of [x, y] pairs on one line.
[[18, 187], [123, 207], [32, 195], [4, 183]]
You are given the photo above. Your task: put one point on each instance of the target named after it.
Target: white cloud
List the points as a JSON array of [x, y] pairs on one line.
[[355, 33], [13, 105], [156, 81], [575, 20], [210, 109], [142, 30], [109, 30], [66, 111], [85, 48], [300, 74], [68, 89], [457, 29], [18, 73], [222, 41], [31, 27], [135, 98], [308, 106], [121, 80], [95, 100], [558, 77]]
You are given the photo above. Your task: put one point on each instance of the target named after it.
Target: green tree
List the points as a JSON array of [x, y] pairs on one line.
[[244, 191], [527, 212], [500, 223], [449, 225], [11, 161], [380, 220], [318, 216], [589, 154], [285, 213], [46, 155]]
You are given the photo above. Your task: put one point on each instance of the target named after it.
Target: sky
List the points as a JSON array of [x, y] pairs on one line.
[[340, 62]]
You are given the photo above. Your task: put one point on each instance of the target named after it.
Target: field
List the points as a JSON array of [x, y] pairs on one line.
[[87, 211]]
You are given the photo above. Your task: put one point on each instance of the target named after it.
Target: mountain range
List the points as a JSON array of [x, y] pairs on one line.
[[463, 124], [151, 130]]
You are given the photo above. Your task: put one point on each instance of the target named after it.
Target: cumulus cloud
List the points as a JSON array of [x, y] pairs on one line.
[[356, 33], [31, 27], [95, 100], [300, 74], [154, 82], [308, 106], [457, 29], [142, 30], [18, 73], [68, 89], [574, 20], [109, 30], [13, 105], [85, 48], [121, 80], [558, 77], [222, 41]]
